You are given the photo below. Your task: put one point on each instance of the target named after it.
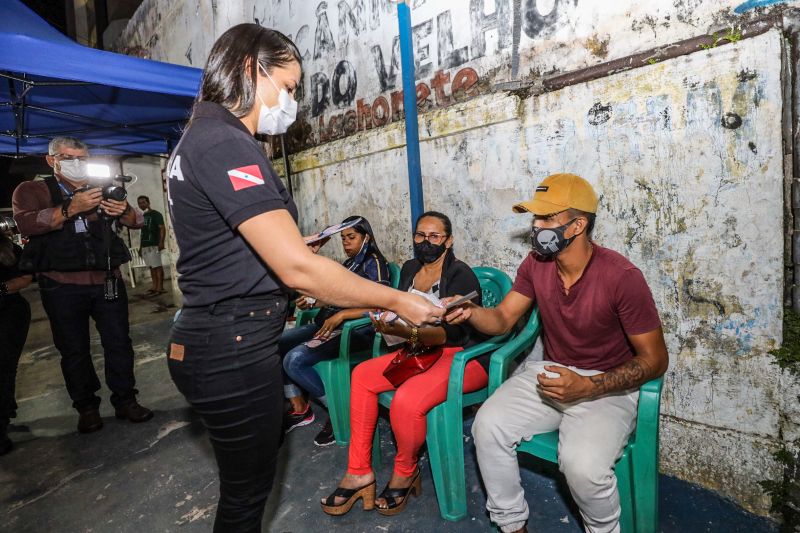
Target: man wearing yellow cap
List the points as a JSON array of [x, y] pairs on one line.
[[602, 340]]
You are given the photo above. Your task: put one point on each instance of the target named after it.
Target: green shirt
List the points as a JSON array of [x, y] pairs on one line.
[[151, 231]]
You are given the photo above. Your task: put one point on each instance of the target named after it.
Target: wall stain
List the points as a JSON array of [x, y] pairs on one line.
[[731, 121], [746, 74], [598, 46], [692, 292], [599, 114]]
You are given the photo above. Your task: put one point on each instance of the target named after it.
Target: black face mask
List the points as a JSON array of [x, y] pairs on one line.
[[425, 252], [548, 242]]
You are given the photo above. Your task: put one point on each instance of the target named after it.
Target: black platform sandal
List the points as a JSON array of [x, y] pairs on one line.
[[396, 499], [365, 493]]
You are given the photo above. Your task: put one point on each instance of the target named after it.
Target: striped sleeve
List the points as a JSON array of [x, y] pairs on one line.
[[376, 270]]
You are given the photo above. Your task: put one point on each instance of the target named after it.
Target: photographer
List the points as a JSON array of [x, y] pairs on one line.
[[77, 257], [15, 317]]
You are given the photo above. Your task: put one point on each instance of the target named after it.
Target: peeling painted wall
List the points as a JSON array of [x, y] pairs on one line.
[[351, 51], [687, 198], [686, 153]]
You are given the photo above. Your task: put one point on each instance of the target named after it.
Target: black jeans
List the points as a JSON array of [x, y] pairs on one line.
[[224, 359], [69, 308], [15, 318]]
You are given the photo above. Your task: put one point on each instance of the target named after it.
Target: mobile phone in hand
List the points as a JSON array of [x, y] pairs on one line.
[[461, 301]]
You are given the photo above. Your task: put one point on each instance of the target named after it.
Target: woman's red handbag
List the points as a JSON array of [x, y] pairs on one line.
[[411, 361]]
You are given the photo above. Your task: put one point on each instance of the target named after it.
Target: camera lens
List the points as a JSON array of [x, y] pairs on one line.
[[112, 192], [7, 224]]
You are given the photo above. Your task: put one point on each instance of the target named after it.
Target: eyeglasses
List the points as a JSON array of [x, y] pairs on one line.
[[67, 157], [433, 238]]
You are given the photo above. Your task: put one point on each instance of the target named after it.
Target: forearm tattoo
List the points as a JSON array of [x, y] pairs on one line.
[[628, 375]]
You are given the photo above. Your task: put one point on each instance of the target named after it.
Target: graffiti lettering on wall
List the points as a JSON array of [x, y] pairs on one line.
[[440, 91], [351, 52]]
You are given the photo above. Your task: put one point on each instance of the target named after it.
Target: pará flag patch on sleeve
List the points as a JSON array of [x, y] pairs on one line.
[[244, 177]]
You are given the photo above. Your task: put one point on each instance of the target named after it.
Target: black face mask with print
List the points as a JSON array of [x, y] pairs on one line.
[[548, 242], [425, 252]]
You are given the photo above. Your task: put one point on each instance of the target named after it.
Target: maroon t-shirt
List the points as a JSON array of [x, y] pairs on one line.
[[587, 328]]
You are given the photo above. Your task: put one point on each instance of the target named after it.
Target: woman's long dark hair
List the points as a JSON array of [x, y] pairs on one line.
[[226, 81], [364, 228], [448, 226]]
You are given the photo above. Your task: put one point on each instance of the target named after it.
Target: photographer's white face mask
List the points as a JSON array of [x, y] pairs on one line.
[[73, 169], [276, 120]]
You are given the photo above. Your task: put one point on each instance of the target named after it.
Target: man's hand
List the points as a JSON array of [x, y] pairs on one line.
[[329, 326], [416, 310], [390, 328], [114, 208], [460, 314], [567, 388], [302, 304], [85, 201]]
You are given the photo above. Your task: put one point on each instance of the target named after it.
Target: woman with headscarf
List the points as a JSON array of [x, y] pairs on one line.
[[304, 347]]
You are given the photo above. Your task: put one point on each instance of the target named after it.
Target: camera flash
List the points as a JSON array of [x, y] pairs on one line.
[[98, 170]]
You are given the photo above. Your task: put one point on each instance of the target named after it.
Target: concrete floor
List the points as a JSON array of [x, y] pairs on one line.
[[160, 476]]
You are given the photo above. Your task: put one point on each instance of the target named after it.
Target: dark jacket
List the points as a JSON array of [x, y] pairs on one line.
[[372, 268], [457, 278]]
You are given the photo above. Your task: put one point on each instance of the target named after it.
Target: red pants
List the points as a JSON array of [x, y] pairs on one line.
[[411, 403]]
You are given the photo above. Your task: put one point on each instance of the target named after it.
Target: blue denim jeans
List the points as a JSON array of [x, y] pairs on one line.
[[299, 359]]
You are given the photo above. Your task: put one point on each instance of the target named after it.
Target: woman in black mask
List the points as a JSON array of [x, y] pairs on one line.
[[436, 273]]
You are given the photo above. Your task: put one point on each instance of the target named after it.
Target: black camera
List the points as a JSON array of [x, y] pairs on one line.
[[114, 192], [7, 224], [111, 191]]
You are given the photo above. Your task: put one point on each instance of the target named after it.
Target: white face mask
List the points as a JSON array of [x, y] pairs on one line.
[[73, 169], [276, 120]]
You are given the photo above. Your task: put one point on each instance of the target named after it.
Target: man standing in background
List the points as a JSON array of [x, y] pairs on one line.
[[152, 242], [67, 250]]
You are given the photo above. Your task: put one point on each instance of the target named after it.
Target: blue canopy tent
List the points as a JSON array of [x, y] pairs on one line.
[[117, 104]]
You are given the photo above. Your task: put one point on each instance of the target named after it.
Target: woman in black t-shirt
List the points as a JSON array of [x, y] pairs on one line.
[[240, 250], [15, 318]]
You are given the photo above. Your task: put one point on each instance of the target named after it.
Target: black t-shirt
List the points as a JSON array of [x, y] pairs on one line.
[[7, 273], [219, 177]]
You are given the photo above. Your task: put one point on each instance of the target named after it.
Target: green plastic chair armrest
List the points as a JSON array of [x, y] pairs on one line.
[[653, 386], [648, 411], [455, 385], [394, 275], [498, 365], [347, 332], [305, 316]]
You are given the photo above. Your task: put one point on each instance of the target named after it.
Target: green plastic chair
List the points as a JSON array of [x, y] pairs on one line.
[[335, 373], [445, 421], [636, 470]]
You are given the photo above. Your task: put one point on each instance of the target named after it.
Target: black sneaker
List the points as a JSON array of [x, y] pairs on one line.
[[325, 437], [296, 420]]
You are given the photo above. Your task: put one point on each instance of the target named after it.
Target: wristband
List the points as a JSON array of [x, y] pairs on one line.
[[65, 208], [3, 289]]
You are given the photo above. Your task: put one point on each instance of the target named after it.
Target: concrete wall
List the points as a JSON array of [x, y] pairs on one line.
[[686, 153]]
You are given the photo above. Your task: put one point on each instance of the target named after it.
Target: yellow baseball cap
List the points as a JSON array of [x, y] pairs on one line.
[[559, 192]]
